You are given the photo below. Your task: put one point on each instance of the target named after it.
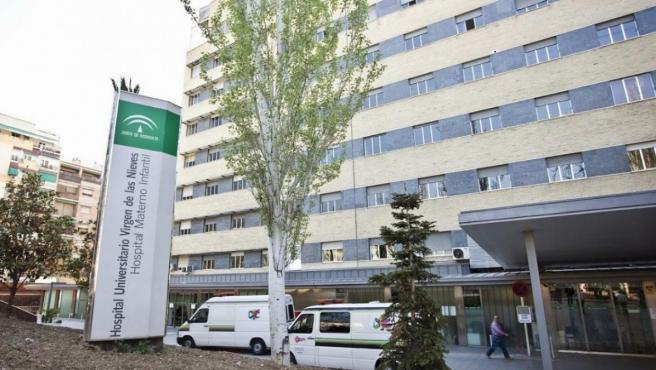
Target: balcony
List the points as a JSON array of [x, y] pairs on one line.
[[70, 177]]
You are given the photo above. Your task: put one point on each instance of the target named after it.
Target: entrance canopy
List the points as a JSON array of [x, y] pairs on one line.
[[615, 229]]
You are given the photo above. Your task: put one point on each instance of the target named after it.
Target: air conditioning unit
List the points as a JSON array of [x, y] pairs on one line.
[[182, 268], [460, 253]]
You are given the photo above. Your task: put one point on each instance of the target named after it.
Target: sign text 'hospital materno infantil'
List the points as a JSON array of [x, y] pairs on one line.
[[130, 283]]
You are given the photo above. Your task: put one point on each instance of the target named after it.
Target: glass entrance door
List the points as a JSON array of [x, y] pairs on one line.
[[633, 318], [599, 317]]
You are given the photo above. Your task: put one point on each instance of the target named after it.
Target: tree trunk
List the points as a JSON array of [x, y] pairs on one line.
[[12, 294], [277, 303]]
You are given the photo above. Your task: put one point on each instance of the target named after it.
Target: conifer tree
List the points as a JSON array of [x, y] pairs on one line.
[[416, 342]]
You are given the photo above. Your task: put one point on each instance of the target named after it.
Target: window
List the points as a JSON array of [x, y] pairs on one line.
[[187, 192], [617, 30], [332, 252], [192, 128], [371, 13], [215, 122], [213, 154], [200, 316], [642, 156], [332, 154], [553, 106], [566, 167], [469, 21], [213, 63], [422, 84], [264, 258], [477, 69], [238, 183], [377, 196], [303, 325], [237, 222], [426, 134], [212, 189], [194, 70], [237, 260], [374, 99], [380, 251], [373, 54], [194, 99], [209, 227], [373, 145], [484, 121], [208, 263], [432, 187], [409, 3], [189, 160], [335, 322], [185, 227], [524, 6], [494, 178], [415, 39], [321, 34], [632, 88], [541, 51], [331, 202], [87, 193]]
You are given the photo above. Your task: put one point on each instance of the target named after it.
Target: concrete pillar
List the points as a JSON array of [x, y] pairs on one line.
[[541, 319], [649, 287]]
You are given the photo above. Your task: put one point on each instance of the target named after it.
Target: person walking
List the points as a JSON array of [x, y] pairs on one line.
[[498, 337]]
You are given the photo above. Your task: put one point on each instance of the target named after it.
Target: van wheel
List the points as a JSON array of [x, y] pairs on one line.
[[188, 342], [292, 359], [381, 366], [257, 346]]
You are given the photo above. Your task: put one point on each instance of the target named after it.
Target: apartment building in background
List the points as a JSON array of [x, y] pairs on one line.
[[25, 148], [483, 105]]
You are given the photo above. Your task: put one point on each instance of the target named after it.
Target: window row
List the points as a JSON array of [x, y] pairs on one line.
[[213, 187], [235, 260], [212, 224], [196, 127]]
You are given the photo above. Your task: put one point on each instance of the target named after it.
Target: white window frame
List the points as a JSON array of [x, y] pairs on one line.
[[410, 3], [212, 189], [237, 260], [421, 85], [484, 121], [238, 183], [422, 129], [194, 99], [561, 101], [640, 91], [606, 28], [370, 147], [189, 160], [332, 247], [373, 53], [373, 99], [331, 155], [187, 192], [215, 121], [372, 14], [499, 174], [330, 205], [461, 20], [237, 222], [566, 164], [192, 128], [537, 5], [208, 263], [380, 198], [185, 227], [436, 184], [480, 65], [389, 250], [213, 154], [416, 39], [640, 148], [208, 228], [544, 45]]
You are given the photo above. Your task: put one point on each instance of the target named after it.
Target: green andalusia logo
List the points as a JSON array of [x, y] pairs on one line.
[[135, 125]]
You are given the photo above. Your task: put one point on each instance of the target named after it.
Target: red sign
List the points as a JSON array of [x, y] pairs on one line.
[[520, 289]]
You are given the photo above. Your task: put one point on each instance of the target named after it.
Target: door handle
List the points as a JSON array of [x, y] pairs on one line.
[[310, 338], [206, 326]]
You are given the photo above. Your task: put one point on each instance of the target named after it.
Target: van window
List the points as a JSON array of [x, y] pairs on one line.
[[200, 316], [335, 322], [290, 313], [303, 325]]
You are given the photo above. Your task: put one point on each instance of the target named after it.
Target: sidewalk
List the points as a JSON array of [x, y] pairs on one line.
[[468, 358]]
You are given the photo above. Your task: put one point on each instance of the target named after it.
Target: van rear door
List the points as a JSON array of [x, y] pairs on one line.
[[301, 339], [334, 344]]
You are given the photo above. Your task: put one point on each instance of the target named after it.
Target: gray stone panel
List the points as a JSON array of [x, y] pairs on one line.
[[518, 113], [203, 125], [396, 91], [350, 250], [199, 190], [195, 262], [196, 226], [392, 46], [443, 29], [404, 187], [606, 161], [354, 148], [458, 238], [253, 259], [646, 20], [385, 7], [462, 182], [223, 223], [591, 97], [498, 10], [455, 127], [399, 139], [528, 172], [508, 60], [178, 194], [578, 40], [201, 156], [252, 219], [311, 253], [222, 261], [312, 204], [448, 76]]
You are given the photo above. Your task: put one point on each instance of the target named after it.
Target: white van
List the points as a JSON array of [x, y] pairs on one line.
[[343, 336], [236, 321]]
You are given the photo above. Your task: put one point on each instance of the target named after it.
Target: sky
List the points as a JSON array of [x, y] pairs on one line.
[[57, 56]]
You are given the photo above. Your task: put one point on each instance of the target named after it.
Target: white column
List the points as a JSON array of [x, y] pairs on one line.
[[541, 319]]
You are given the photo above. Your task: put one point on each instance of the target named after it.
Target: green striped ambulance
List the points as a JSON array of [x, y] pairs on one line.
[[236, 321], [341, 336]]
